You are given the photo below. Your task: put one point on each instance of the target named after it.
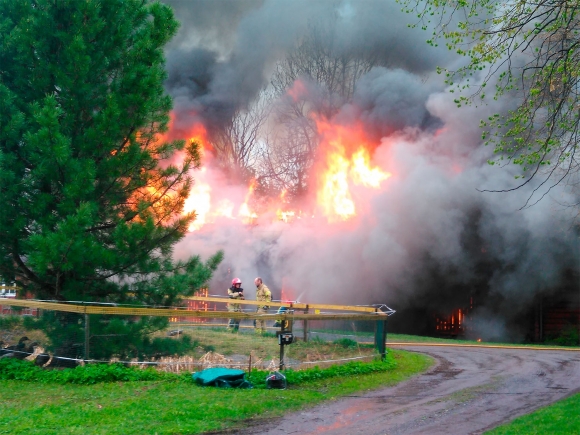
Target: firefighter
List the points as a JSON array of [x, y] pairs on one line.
[[235, 292], [263, 294]]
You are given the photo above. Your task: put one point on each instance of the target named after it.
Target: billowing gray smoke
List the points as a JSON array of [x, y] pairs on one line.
[[226, 50], [429, 238]]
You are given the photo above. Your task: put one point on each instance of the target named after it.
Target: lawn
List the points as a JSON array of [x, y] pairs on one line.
[[404, 338], [173, 407], [178, 407], [561, 418]]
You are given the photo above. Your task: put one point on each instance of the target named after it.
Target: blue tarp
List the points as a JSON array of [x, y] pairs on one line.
[[222, 377]]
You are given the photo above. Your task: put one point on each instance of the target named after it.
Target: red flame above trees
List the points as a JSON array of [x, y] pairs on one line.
[[343, 165]]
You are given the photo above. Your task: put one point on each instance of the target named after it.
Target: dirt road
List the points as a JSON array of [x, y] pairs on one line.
[[468, 391]]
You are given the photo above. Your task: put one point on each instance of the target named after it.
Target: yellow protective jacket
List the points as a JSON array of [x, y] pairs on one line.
[[263, 294], [234, 294]]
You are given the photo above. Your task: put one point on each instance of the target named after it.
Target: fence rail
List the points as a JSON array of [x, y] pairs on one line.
[[89, 308]]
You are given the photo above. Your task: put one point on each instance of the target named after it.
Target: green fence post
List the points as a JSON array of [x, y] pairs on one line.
[[385, 339], [281, 343], [381, 337], [305, 324], [87, 336]]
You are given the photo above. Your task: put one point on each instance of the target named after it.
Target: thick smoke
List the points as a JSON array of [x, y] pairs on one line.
[[228, 49], [429, 238]]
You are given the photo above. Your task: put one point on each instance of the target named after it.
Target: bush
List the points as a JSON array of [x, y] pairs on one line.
[[10, 322], [569, 336], [296, 377], [111, 336], [166, 346], [19, 370], [347, 343]]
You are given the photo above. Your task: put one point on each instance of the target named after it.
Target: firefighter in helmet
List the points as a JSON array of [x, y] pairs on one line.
[[235, 292], [263, 294]]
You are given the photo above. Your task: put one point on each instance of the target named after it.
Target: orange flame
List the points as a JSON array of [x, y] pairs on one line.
[[248, 216], [285, 216], [199, 199], [198, 133], [346, 162]]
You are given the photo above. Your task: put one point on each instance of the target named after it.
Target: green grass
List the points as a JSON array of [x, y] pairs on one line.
[[561, 418], [173, 407], [404, 338]]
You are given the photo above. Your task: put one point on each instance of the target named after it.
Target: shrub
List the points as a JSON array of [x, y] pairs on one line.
[[296, 377], [21, 370], [14, 369], [569, 336], [10, 322], [347, 343]]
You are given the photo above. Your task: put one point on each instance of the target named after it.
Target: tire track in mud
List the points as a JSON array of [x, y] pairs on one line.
[[468, 391]]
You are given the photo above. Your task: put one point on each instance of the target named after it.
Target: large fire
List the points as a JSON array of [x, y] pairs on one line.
[[246, 214], [199, 199], [343, 163]]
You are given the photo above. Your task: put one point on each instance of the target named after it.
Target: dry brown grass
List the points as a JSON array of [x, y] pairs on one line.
[[237, 348], [218, 347]]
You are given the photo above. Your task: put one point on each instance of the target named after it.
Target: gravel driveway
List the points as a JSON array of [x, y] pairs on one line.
[[468, 391]]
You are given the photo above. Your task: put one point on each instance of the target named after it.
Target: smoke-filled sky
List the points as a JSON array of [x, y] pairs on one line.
[[429, 236]]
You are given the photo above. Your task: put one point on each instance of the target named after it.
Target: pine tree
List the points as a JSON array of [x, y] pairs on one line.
[[91, 208]]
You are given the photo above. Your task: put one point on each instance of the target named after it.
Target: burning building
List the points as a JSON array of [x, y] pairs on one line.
[[338, 167]]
